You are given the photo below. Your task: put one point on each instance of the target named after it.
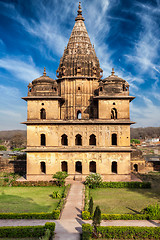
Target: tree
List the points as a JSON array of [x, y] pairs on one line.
[[136, 141], [3, 148], [90, 209], [96, 217], [60, 178]]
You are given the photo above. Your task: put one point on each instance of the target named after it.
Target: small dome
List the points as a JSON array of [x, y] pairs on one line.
[[113, 78], [44, 78], [43, 86], [113, 85]]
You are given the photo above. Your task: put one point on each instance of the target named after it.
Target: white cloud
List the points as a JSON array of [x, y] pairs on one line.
[[13, 109], [23, 70], [146, 114]]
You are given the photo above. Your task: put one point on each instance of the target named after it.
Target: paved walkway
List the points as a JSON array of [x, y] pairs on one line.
[[69, 225]]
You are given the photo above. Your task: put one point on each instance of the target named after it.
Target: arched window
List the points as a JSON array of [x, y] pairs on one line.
[[78, 140], [114, 139], [64, 166], [43, 167], [92, 140], [43, 140], [114, 167], [78, 167], [135, 166], [92, 166], [43, 113], [64, 140], [79, 114], [114, 113]]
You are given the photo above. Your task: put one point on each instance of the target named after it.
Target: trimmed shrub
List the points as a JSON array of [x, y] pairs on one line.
[[90, 209], [53, 215], [26, 231], [87, 230], [125, 185], [33, 184], [93, 180], [63, 199], [129, 232], [96, 217], [86, 215], [50, 226], [86, 200]]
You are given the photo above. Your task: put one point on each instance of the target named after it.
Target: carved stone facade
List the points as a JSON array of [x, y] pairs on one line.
[[79, 123]]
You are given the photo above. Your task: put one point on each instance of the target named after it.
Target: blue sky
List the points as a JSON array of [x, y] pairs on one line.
[[126, 36]]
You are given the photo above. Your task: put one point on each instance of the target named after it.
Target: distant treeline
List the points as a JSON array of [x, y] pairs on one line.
[[13, 138], [148, 132]]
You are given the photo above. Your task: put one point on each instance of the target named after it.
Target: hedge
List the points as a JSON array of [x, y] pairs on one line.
[[86, 200], [129, 232], [86, 216], [26, 231], [53, 215], [121, 232], [33, 183], [125, 185], [63, 199], [87, 230]]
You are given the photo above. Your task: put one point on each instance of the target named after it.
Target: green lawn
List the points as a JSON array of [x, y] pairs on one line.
[[122, 200], [28, 199]]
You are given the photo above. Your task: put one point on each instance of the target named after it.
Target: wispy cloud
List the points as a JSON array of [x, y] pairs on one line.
[[13, 110], [23, 70], [147, 114], [146, 49]]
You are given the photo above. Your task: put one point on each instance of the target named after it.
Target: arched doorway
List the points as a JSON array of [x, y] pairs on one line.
[[43, 113], [64, 140], [92, 140], [114, 167], [78, 140], [78, 167], [135, 167], [43, 167], [64, 166], [92, 166]]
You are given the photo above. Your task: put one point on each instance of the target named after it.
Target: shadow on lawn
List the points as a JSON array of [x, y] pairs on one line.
[[17, 204], [152, 192]]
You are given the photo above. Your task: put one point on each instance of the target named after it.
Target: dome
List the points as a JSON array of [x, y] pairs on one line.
[[113, 85], [43, 86]]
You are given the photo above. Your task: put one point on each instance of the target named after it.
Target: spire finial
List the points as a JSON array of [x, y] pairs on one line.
[[113, 72], [79, 15], [79, 9], [44, 72]]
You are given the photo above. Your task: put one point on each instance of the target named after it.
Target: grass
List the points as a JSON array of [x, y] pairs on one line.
[[122, 200], [28, 199]]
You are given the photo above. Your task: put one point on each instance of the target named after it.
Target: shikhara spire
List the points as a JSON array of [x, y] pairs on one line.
[[79, 57]]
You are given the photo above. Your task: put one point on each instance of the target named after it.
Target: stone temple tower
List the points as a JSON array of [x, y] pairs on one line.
[[79, 123]]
